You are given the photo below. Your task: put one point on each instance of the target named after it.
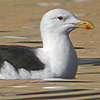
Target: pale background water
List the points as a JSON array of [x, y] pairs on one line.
[[19, 25]]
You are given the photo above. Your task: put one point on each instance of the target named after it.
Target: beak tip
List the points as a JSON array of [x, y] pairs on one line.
[[89, 27], [90, 24]]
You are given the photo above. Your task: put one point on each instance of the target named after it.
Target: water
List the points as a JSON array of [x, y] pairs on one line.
[[19, 25]]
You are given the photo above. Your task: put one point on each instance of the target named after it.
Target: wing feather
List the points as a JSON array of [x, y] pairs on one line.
[[20, 57]]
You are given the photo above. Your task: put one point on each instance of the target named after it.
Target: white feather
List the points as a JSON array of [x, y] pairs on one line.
[[7, 71]]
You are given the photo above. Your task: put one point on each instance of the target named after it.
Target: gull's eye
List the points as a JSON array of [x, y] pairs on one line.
[[60, 18]]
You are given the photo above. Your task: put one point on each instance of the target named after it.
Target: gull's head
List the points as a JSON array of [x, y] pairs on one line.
[[62, 21]]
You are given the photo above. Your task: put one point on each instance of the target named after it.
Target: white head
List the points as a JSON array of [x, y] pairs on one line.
[[58, 20], [61, 21]]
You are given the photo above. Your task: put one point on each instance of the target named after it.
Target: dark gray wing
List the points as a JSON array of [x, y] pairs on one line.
[[20, 57]]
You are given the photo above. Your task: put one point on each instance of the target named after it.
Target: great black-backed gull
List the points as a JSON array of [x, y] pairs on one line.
[[56, 59]]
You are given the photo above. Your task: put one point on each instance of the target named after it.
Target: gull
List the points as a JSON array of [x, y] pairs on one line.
[[56, 59]]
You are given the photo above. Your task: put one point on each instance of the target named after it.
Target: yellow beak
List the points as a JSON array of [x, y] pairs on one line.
[[85, 24]]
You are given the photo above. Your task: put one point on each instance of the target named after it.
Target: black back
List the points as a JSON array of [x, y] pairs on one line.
[[20, 57]]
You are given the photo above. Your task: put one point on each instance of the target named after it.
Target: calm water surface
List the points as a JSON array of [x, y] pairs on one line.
[[19, 25]]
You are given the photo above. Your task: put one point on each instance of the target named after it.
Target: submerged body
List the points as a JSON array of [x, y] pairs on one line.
[[56, 59]]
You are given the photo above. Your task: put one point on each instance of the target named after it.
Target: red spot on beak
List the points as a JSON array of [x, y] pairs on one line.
[[87, 27]]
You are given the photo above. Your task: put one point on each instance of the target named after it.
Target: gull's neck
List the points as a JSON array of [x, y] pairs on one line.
[[59, 55]]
